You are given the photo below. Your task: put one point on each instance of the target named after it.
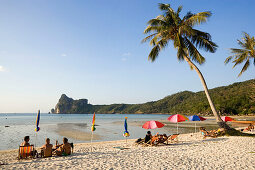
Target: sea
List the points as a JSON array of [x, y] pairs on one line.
[[76, 127]]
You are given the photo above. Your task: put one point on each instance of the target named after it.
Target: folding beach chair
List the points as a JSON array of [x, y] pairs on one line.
[[26, 152], [161, 139], [172, 138]]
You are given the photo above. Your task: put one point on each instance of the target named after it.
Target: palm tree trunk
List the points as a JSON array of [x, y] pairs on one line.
[[219, 121]]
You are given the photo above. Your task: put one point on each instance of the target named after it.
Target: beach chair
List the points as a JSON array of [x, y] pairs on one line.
[[172, 138], [149, 143], [26, 152], [160, 139], [206, 133]]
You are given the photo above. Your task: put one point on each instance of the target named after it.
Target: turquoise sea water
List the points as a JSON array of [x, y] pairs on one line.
[[13, 127]]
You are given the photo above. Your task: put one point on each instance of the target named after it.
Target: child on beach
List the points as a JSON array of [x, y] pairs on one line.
[[47, 148]]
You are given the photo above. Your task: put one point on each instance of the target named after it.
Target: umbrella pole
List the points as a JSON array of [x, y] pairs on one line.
[[91, 140], [195, 127], [35, 138], [177, 127]]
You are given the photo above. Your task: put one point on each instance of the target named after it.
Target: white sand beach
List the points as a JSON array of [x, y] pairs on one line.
[[192, 152]]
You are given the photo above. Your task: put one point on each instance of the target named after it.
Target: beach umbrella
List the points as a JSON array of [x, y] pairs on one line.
[[196, 118], [93, 128], [152, 125], [126, 133], [226, 118], [177, 118], [37, 125], [37, 121]]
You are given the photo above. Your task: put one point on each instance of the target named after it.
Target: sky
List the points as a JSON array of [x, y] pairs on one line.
[[92, 49]]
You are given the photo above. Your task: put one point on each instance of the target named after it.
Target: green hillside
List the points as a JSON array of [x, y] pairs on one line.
[[238, 98]]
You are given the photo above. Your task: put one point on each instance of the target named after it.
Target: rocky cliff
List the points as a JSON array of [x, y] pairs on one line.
[[68, 105]]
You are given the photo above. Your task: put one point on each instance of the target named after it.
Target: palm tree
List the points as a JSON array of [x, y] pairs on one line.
[[245, 54], [171, 27]]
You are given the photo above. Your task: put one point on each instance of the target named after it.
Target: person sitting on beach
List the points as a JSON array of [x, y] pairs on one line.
[[64, 149], [26, 141], [47, 148], [148, 137]]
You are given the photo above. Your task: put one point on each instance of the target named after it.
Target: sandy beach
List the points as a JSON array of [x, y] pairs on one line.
[[191, 152]]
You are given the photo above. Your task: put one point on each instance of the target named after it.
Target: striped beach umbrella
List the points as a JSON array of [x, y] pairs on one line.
[[177, 118], [152, 125], [93, 123], [226, 118], [93, 128], [126, 133], [37, 122], [196, 118]]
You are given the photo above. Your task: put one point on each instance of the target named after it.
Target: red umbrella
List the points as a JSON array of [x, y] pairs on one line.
[[177, 118], [226, 118], [153, 125]]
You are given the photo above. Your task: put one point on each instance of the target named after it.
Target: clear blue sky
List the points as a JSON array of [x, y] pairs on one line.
[[92, 49]]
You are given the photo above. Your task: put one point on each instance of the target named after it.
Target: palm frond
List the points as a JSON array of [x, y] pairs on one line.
[[157, 22], [148, 38], [228, 59], [154, 53], [182, 50], [246, 65], [179, 10], [193, 52], [239, 59], [204, 43], [199, 18], [163, 7], [149, 29]]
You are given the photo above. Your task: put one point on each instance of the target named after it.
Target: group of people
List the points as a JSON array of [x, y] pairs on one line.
[[149, 139], [48, 149]]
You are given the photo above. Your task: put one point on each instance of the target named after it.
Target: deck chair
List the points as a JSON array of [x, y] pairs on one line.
[[206, 133], [144, 144], [161, 139], [172, 138], [26, 152]]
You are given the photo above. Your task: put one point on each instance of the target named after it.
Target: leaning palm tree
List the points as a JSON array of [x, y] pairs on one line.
[[245, 54], [171, 27]]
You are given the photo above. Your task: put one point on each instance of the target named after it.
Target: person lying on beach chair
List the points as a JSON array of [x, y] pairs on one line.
[[162, 139], [64, 149], [25, 149], [206, 133], [172, 138], [46, 149], [220, 132], [249, 128]]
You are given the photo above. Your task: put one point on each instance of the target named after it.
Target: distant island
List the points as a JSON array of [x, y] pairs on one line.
[[234, 99]]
